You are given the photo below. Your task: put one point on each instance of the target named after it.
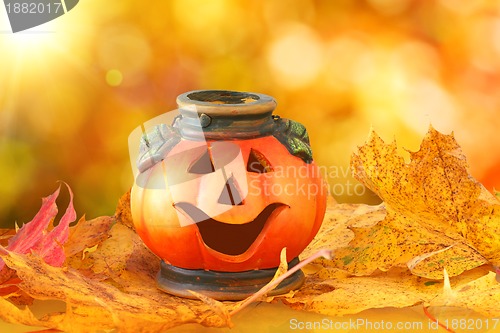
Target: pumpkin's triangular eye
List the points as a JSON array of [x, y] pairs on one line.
[[202, 165], [230, 194], [257, 162]]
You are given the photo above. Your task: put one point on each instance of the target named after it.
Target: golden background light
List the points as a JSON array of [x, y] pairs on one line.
[[73, 89], [295, 57]]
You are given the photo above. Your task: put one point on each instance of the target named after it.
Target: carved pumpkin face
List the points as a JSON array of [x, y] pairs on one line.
[[227, 185], [268, 200]]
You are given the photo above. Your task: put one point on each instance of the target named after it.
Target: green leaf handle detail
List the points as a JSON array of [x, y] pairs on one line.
[[293, 135]]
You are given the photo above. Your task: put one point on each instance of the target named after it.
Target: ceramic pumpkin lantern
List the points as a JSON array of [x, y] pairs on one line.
[[222, 190]]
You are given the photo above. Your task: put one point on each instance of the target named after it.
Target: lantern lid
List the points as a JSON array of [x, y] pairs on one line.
[[224, 114]]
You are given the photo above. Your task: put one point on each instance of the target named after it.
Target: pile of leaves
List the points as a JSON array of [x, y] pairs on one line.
[[435, 241]]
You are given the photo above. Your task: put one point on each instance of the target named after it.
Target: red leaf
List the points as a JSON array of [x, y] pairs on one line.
[[34, 236], [50, 248], [9, 286]]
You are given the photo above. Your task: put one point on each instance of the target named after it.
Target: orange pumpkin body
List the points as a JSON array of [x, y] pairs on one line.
[[283, 206]]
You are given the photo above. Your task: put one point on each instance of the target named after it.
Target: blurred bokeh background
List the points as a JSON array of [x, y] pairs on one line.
[[72, 90]]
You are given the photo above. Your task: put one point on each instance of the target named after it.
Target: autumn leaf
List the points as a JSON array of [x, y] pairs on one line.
[[335, 233], [216, 306], [331, 290], [50, 246], [5, 235], [481, 294], [34, 235], [86, 234], [125, 297], [9, 286], [136, 306], [123, 213], [432, 204], [113, 253], [435, 216]]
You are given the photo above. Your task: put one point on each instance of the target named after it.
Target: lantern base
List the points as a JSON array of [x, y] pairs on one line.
[[224, 286]]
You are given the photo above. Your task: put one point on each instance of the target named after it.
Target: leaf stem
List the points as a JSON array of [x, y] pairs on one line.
[[264, 290], [432, 318]]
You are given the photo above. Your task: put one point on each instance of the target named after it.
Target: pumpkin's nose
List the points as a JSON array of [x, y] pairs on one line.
[[231, 194]]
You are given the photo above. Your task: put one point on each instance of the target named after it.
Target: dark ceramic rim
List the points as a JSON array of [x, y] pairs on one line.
[[225, 103], [224, 115]]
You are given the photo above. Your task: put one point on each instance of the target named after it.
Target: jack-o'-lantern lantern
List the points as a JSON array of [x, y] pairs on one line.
[[222, 190]]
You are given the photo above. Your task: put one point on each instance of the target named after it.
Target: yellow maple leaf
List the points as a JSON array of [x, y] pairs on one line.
[[435, 216], [481, 294], [125, 296], [435, 210], [330, 290]]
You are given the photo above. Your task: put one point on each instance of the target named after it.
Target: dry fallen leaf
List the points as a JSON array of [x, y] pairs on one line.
[[37, 236], [128, 299], [86, 234], [150, 311], [217, 307], [123, 213], [34, 235], [331, 290], [335, 233], [432, 203], [434, 216], [481, 294]]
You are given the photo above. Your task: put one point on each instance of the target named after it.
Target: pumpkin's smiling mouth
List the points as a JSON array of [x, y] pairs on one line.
[[230, 239]]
